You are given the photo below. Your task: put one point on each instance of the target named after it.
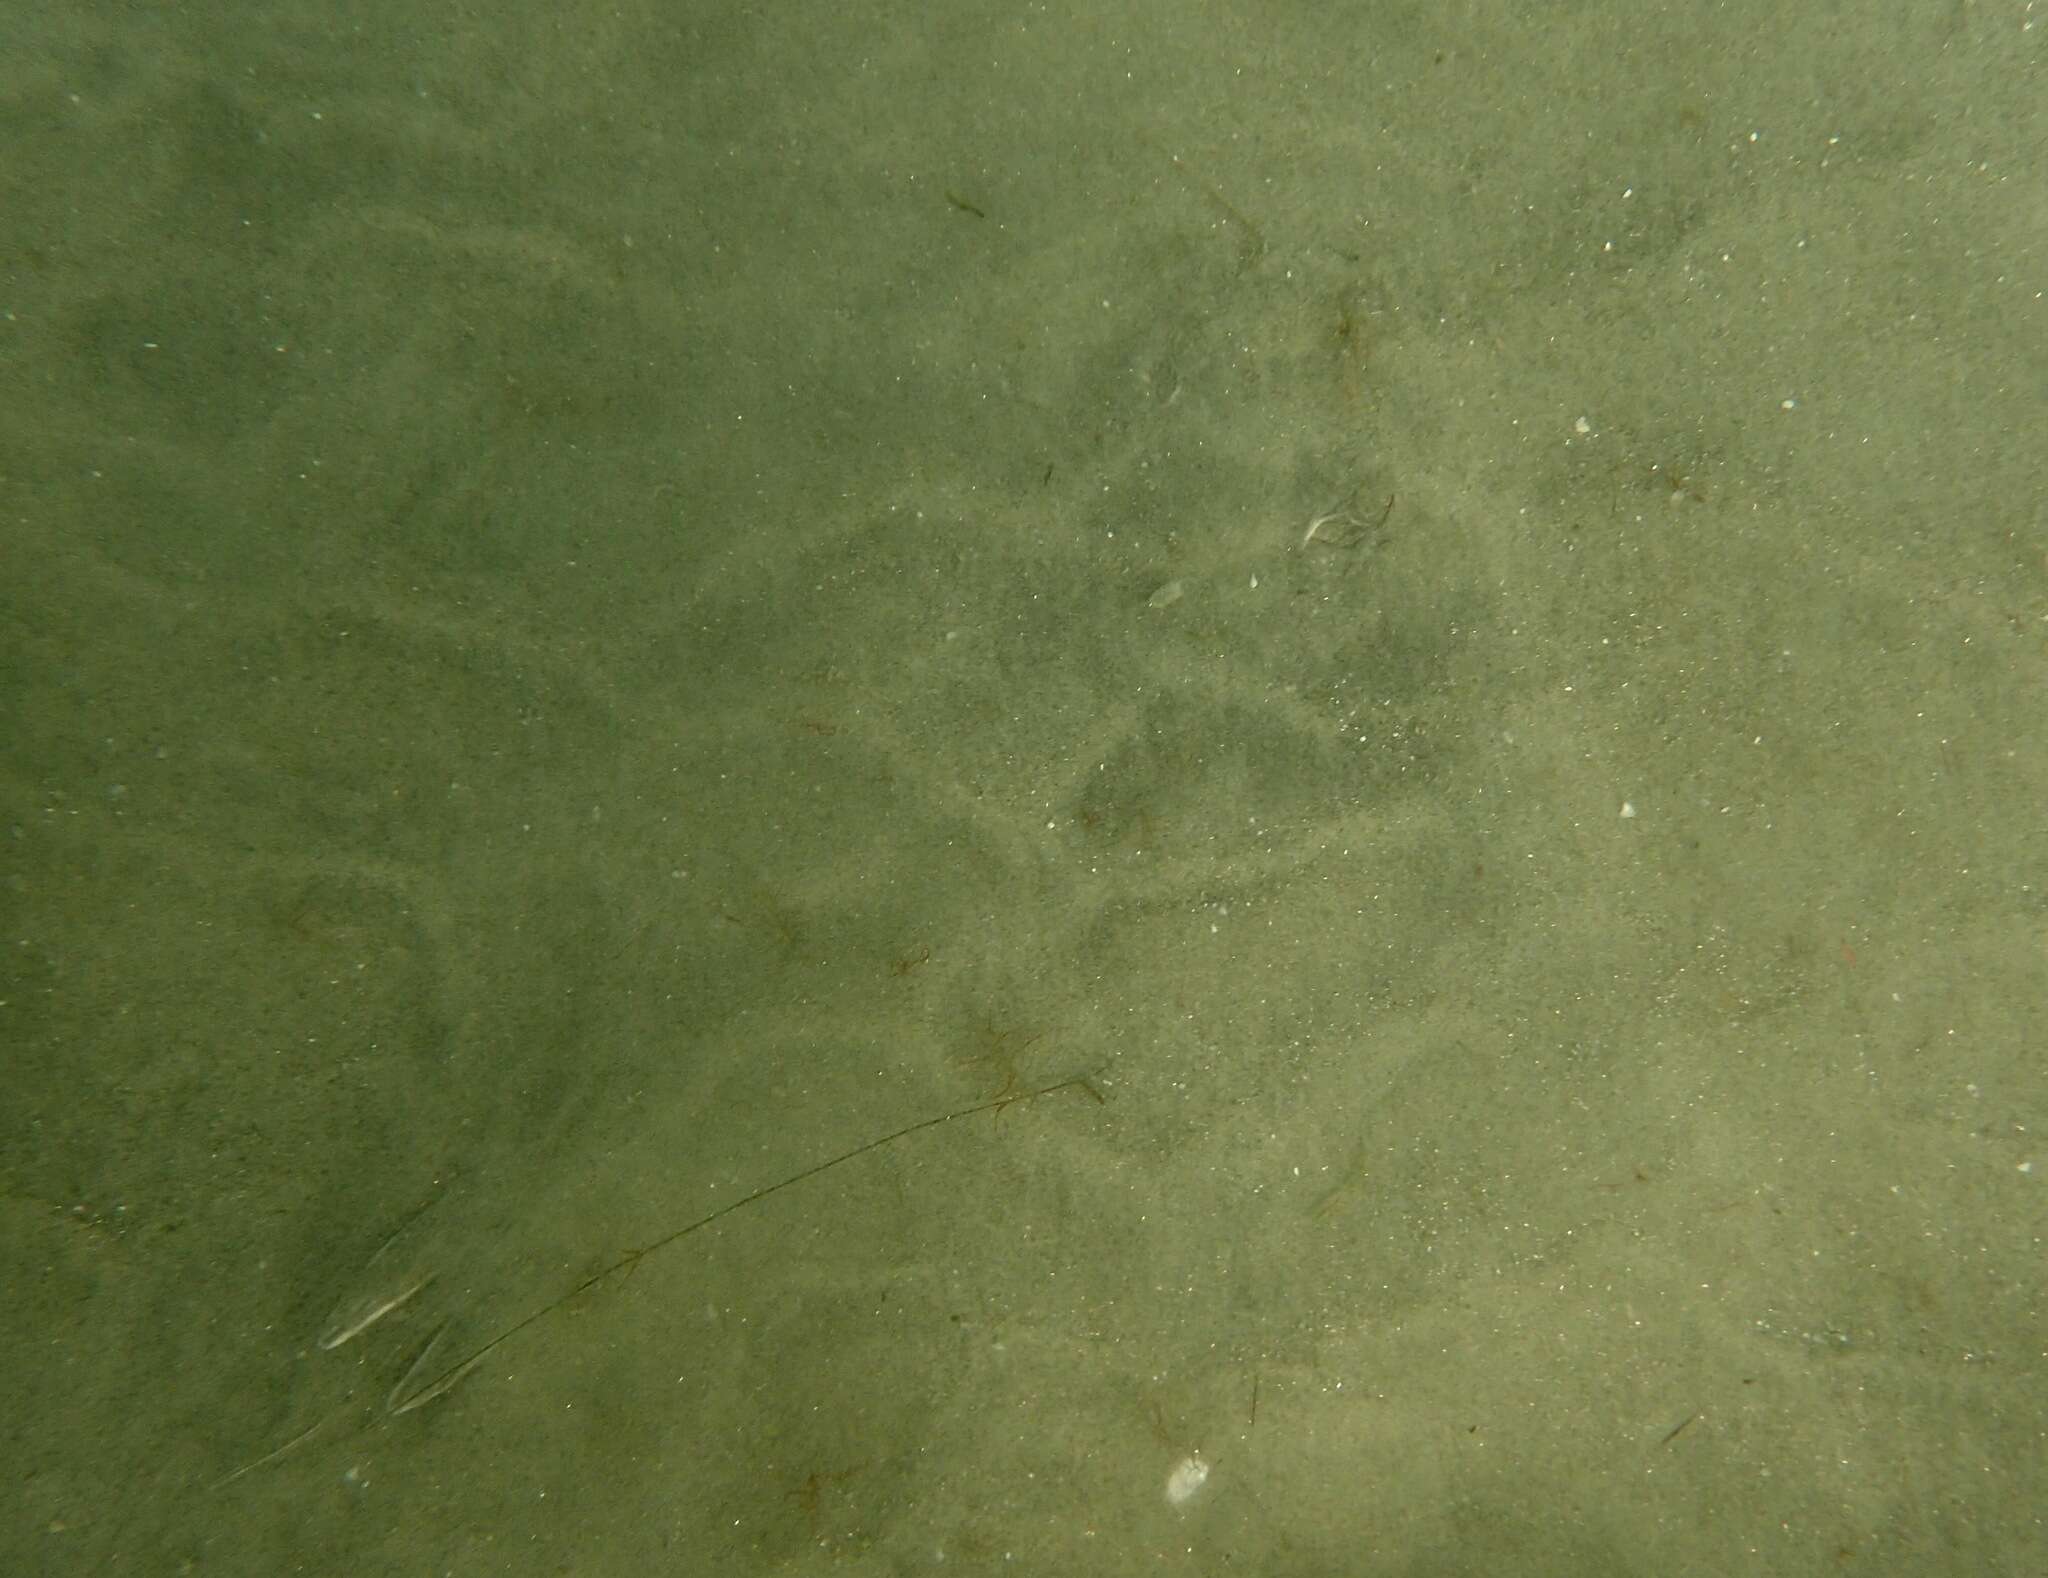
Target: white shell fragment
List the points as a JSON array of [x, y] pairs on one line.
[[1188, 1476]]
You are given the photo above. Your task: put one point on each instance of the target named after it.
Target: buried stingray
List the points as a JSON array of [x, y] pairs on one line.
[[434, 1373]]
